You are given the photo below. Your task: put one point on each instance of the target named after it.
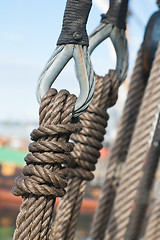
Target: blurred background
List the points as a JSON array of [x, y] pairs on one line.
[[28, 36]]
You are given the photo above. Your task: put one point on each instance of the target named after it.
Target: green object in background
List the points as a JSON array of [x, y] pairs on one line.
[[6, 233], [8, 155]]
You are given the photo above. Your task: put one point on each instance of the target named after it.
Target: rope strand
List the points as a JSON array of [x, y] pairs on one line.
[[85, 154], [44, 177], [141, 201], [153, 230], [119, 150], [135, 159]]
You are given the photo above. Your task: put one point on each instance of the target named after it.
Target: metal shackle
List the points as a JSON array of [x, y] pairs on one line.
[[84, 72], [73, 42], [113, 25]]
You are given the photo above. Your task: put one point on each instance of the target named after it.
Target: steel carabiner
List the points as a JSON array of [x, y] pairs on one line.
[[113, 26], [84, 72]]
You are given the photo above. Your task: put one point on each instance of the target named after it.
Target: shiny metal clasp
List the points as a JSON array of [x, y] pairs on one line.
[[84, 73], [118, 38]]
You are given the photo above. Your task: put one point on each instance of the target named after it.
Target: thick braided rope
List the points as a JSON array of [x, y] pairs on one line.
[[66, 117], [153, 226], [142, 198], [133, 169], [85, 154], [45, 177], [119, 150]]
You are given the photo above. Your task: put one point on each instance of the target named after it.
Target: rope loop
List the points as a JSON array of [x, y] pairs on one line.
[[52, 130]]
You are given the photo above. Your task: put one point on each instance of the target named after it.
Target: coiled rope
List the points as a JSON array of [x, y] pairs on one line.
[[135, 161], [45, 177], [119, 150], [85, 154]]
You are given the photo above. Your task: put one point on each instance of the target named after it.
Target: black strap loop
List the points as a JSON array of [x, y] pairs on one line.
[[74, 23], [116, 14]]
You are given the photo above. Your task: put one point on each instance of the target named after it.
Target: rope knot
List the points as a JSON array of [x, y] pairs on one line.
[[45, 174]]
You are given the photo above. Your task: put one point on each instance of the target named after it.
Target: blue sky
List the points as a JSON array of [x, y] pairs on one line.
[[28, 36]]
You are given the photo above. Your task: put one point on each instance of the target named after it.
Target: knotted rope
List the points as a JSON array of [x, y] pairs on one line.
[[135, 161], [85, 154], [45, 177], [119, 150]]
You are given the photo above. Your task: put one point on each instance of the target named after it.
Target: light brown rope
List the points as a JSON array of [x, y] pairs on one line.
[[45, 177], [142, 198], [85, 154], [119, 150], [153, 227], [137, 153]]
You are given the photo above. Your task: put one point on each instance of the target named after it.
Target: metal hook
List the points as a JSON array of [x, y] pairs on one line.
[[118, 38], [84, 72]]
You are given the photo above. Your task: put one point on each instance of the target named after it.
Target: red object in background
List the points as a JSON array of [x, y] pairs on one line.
[[7, 199], [104, 152]]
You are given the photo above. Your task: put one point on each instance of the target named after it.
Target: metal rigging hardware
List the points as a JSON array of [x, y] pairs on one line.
[[73, 42], [113, 25]]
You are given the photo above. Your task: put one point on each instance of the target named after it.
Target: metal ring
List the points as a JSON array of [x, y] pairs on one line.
[[84, 72], [119, 41]]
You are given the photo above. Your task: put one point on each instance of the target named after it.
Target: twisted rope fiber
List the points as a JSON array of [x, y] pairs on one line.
[[119, 150], [153, 230], [141, 201], [45, 177], [135, 161], [85, 154]]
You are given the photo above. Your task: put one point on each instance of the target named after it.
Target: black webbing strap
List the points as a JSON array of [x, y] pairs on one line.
[[116, 14], [74, 23]]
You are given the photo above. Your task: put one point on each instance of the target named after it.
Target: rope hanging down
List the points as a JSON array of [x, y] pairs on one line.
[[153, 230], [136, 156], [141, 201], [119, 150], [85, 154], [42, 179], [152, 35], [45, 177]]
